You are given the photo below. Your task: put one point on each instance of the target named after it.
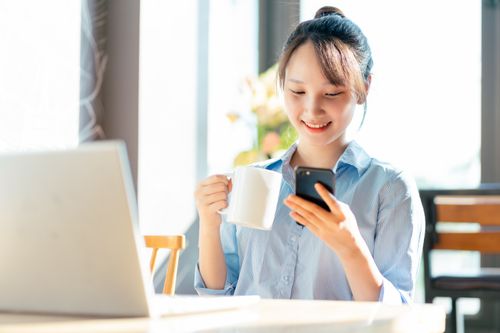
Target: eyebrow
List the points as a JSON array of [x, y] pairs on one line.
[[301, 82]]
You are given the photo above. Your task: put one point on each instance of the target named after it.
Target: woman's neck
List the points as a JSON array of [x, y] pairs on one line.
[[318, 156]]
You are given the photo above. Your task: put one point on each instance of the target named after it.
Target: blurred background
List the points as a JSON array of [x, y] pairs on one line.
[[189, 86]]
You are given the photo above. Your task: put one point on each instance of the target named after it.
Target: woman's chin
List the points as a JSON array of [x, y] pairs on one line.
[[320, 140]]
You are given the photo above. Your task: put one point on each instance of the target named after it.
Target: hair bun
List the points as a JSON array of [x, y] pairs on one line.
[[328, 10]]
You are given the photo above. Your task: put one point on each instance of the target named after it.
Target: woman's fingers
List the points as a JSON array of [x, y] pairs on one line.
[[214, 179], [314, 214], [215, 197], [305, 222], [305, 209], [214, 188], [330, 201], [308, 206], [209, 185], [218, 205], [212, 193]]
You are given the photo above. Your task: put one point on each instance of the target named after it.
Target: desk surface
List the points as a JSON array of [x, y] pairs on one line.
[[267, 315]]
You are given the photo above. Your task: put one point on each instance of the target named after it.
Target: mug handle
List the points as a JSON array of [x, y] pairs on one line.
[[223, 211]]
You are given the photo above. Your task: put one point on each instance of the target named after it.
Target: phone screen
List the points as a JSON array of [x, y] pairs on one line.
[[306, 177]]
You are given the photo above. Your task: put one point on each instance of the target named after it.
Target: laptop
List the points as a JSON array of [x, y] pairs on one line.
[[70, 241]]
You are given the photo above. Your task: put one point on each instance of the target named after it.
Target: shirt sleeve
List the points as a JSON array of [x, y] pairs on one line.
[[230, 249], [399, 239]]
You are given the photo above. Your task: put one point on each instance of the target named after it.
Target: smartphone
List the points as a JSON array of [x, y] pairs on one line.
[[306, 177]]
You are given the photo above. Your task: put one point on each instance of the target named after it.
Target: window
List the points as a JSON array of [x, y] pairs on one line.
[[40, 74], [167, 115], [233, 57]]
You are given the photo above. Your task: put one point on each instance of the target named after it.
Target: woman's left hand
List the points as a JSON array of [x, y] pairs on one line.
[[337, 228]]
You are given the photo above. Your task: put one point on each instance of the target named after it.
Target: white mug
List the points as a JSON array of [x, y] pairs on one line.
[[253, 198]]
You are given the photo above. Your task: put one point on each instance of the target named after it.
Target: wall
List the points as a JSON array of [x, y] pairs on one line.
[[121, 80]]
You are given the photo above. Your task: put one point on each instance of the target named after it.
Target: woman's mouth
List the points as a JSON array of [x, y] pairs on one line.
[[316, 127]]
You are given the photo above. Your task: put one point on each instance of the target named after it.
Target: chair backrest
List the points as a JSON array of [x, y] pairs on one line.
[[483, 210], [450, 208], [175, 243]]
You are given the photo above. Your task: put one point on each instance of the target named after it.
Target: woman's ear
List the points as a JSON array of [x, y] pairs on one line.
[[368, 82]]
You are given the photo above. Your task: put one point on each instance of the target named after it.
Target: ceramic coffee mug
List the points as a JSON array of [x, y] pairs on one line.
[[253, 198]]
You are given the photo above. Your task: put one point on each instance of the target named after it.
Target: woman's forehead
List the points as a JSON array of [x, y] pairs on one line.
[[305, 66], [304, 61]]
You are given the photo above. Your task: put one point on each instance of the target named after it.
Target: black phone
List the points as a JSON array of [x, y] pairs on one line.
[[306, 177]]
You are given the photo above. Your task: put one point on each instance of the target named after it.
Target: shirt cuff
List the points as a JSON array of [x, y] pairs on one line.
[[201, 289], [389, 294]]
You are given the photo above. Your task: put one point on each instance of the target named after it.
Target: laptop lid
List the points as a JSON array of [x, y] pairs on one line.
[[69, 238]]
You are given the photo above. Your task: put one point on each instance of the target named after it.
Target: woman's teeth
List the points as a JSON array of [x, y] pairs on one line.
[[316, 125]]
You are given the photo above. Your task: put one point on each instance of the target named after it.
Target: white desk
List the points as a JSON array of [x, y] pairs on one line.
[[266, 316]]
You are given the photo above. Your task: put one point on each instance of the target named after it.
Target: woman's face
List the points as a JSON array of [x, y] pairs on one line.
[[319, 110]]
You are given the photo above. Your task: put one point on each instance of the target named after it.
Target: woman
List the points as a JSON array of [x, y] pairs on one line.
[[368, 246]]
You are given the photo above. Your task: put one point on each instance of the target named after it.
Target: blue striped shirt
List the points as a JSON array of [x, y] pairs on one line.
[[291, 262]]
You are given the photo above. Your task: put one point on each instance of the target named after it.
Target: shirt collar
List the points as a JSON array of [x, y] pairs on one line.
[[286, 169], [354, 155], [287, 155]]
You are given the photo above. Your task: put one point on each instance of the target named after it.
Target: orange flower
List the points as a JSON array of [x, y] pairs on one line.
[[270, 143]]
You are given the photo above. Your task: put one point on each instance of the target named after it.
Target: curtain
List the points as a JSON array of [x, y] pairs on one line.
[[93, 60]]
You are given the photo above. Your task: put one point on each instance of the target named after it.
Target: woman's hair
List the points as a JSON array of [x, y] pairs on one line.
[[341, 47]]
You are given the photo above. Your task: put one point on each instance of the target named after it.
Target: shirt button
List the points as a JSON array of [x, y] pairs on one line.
[[286, 278], [293, 239]]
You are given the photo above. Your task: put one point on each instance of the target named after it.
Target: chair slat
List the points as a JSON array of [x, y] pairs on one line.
[[484, 210], [170, 242], [467, 200], [485, 242], [175, 243]]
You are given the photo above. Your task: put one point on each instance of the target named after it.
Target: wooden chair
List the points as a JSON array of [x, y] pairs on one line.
[[175, 244], [481, 206]]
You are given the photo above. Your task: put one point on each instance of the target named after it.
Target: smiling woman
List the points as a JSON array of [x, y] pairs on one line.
[[366, 246], [39, 84], [319, 109]]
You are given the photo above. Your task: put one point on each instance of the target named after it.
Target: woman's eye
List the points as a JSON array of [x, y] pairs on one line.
[[297, 92], [333, 94]]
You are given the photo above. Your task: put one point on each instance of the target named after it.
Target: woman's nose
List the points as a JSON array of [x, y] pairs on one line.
[[314, 106]]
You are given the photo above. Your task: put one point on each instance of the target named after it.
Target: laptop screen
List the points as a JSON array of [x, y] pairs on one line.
[[69, 240]]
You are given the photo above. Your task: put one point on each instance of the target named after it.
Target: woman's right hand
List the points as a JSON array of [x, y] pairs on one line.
[[211, 196]]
